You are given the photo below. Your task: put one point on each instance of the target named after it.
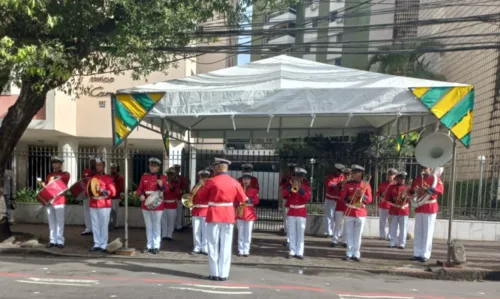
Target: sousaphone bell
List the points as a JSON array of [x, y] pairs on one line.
[[434, 150]]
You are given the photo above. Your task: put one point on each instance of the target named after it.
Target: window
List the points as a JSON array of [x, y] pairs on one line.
[[338, 61], [333, 16], [102, 104], [340, 37]]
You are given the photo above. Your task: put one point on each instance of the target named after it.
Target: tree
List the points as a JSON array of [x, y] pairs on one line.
[[46, 44], [413, 65]]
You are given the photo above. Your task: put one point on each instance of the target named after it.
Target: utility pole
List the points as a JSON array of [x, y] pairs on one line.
[[299, 34]]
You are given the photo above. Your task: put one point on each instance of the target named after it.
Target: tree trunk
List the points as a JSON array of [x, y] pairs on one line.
[[14, 124]]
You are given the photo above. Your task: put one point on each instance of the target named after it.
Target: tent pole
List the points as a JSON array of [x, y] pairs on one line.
[[126, 196], [451, 205]]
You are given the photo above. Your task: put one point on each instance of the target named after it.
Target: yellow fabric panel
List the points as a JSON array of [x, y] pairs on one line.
[[449, 100], [132, 106], [463, 127], [155, 96], [120, 128], [420, 91]]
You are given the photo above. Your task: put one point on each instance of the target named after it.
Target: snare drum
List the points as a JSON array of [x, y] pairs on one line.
[[78, 188], [48, 194]]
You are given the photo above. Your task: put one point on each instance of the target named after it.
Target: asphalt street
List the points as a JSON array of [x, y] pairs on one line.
[[58, 278]]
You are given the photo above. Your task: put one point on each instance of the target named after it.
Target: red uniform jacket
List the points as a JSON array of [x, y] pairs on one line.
[[107, 191], [432, 206], [346, 194], [120, 185], [88, 173], [249, 212], [297, 202], [183, 183], [149, 183], [64, 176], [254, 183], [391, 196], [285, 180], [382, 189], [340, 207], [200, 208], [172, 194], [221, 192], [332, 186]]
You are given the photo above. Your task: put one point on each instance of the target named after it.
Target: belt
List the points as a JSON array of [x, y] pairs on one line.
[[332, 196], [200, 206], [170, 201], [354, 207], [220, 204], [297, 207], [99, 197], [151, 192]]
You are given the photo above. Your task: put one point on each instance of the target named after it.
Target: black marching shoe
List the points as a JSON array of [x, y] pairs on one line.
[[60, 246], [168, 239], [424, 260], [333, 245], [155, 251], [84, 233], [245, 255], [164, 238], [204, 253], [223, 278], [195, 252], [344, 245], [390, 246], [355, 259], [346, 258], [95, 249], [401, 247], [300, 257], [214, 278], [290, 256], [286, 244], [240, 254], [50, 245], [415, 258]]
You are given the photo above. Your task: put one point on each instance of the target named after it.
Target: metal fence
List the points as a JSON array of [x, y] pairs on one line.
[[476, 191]]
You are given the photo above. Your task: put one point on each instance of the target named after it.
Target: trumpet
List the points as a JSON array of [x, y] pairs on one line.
[[359, 193], [295, 186]]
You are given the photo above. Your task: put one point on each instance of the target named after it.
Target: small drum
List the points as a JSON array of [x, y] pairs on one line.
[[48, 194], [78, 188], [154, 200]]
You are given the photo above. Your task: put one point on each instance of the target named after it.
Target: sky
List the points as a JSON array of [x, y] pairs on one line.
[[245, 58]]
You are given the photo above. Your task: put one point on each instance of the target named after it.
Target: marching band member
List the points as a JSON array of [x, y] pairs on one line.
[[356, 193], [397, 196], [100, 206], [120, 187], [425, 215], [340, 227], [383, 205], [150, 182], [332, 191], [246, 215], [199, 214], [297, 194], [221, 192], [247, 168], [183, 186], [287, 177], [87, 173], [55, 211], [170, 200]]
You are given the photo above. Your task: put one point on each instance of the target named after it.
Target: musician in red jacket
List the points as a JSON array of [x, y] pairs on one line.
[[221, 191], [120, 188], [397, 195], [88, 173], [285, 180], [332, 192], [55, 211], [383, 205], [171, 200], [100, 206], [426, 188], [356, 194], [340, 227], [297, 194], [247, 168], [151, 183], [246, 216], [184, 188], [199, 215]]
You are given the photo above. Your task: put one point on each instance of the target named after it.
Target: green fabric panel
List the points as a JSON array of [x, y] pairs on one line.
[[144, 100], [459, 111], [122, 113], [433, 95], [466, 140]]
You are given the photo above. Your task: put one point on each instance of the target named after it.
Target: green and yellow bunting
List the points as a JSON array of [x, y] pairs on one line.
[[453, 106], [128, 110], [399, 141]]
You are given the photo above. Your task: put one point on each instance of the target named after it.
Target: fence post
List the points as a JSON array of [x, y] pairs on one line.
[[479, 199], [126, 195], [312, 161]]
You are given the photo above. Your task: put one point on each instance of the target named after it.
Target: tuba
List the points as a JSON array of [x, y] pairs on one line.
[[187, 199], [434, 150]]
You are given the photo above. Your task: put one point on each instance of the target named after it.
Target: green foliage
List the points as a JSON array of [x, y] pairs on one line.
[[26, 195], [386, 147]]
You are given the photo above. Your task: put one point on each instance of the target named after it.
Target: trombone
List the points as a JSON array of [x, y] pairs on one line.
[[358, 195]]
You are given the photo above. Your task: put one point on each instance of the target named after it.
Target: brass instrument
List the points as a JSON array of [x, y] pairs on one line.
[[295, 186], [357, 198], [403, 195], [241, 207], [92, 187], [187, 199]]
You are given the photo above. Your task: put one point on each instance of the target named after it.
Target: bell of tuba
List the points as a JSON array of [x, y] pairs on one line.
[[434, 150]]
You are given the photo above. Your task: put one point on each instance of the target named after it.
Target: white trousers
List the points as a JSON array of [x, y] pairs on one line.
[[100, 223], [152, 220], [337, 227], [86, 215], [329, 212], [244, 235], [296, 230], [179, 215], [199, 234], [55, 216], [424, 232], [383, 223], [401, 223], [354, 231], [220, 239], [286, 226], [168, 222]]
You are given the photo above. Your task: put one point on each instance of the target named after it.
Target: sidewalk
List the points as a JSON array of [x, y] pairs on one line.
[[268, 250]]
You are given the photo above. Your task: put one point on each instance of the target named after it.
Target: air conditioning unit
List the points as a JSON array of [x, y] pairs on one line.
[[314, 6], [340, 20]]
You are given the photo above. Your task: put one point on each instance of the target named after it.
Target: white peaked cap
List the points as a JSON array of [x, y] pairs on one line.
[[56, 158], [299, 170], [99, 160], [247, 165], [357, 167], [154, 160], [221, 161], [339, 166]]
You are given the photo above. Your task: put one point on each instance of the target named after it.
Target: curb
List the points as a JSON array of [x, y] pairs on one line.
[[451, 274]]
